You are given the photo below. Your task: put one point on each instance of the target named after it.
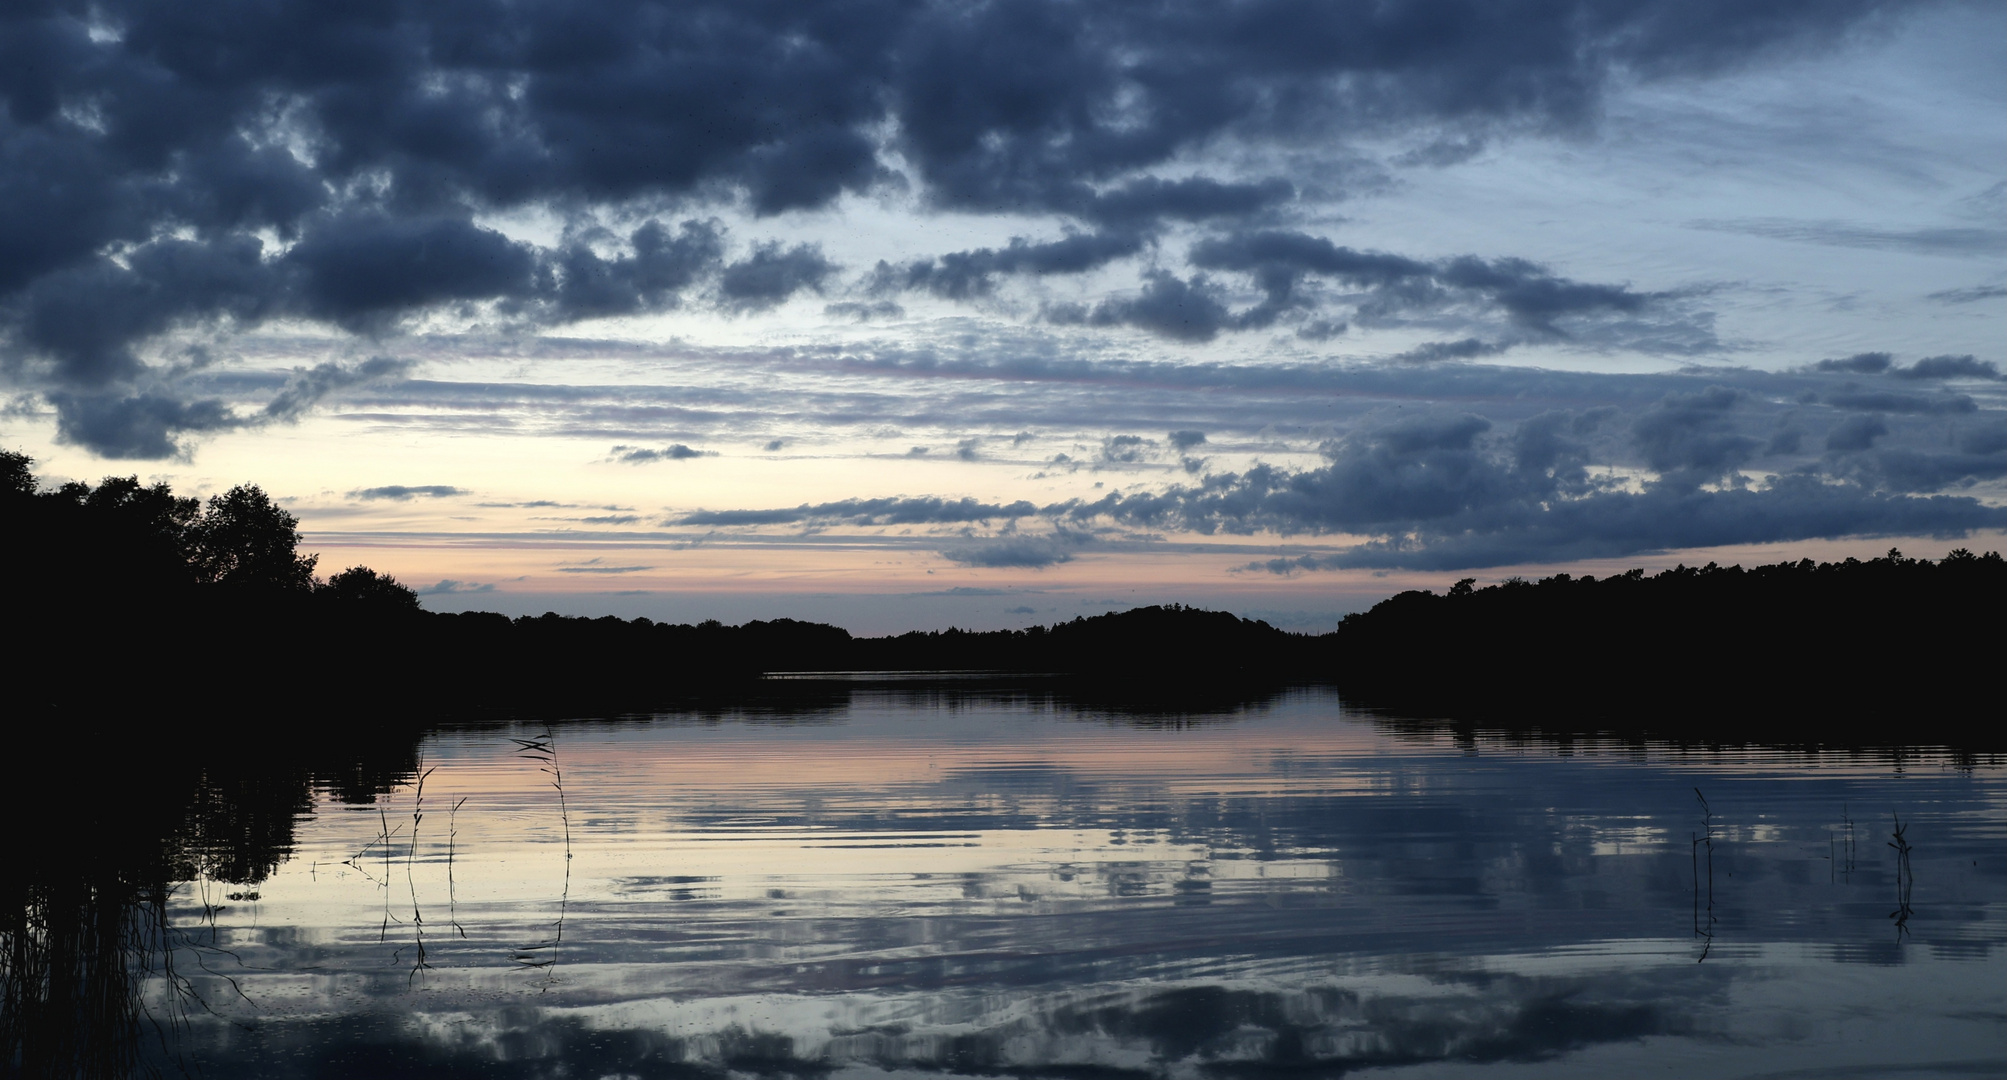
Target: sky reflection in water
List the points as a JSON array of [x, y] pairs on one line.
[[979, 885]]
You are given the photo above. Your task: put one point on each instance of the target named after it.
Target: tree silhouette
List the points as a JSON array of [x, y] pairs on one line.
[[17, 477], [360, 588], [246, 541]]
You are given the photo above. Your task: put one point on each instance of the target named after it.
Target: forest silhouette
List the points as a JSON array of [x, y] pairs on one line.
[[136, 599]]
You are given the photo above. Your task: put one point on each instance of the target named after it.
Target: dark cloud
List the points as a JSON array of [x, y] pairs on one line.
[[1950, 367], [1017, 106], [1907, 469], [1614, 524], [888, 511], [643, 455], [361, 269], [452, 587], [1546, 466], [1856, 433], [1168, 306], [1027, 552], [1867, 363], [306, 387], [964, 274], [1690, 439], [1466, 349], [1530, 296], [653, 277], [402, 493], [214, 168], [1894, 401], [1143, 202], [771, 274], [149, 424], [1185, 440], [1446, 492], [1990, 438], [1127, 449], [142, 426]]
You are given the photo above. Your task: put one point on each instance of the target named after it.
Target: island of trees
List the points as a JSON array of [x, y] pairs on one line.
[[130, 600]]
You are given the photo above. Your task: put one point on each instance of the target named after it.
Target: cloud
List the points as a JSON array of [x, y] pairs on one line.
[[142, 426], [150, 424], [1185, 440], [1019, 107], [1867, 363], [1150, 199], [1896, 401], [1534, 466], [1990, 438], [885, 511], [654, 277], [864, 312], [591, 569], [305, 387], [1856, 433], [1950, 367], [1168, 306], [1971, 295], [1620, 524], [1533, 298], [1016, 551], [402, 493], [643, 455], [1466, 349], [451, 587], [1127, 449], [1955, 240], [771, 274], [1906, 469], [351, 168], [1690, 439], [1451, 492], [965, 274], [360, 269]]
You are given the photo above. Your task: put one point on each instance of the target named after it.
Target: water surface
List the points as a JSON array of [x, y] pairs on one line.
[[987, 884]]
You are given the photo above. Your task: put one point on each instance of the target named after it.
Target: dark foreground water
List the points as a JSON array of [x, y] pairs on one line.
[[987, 886]]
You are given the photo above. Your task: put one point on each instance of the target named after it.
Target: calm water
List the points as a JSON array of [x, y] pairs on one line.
[[985, 886]]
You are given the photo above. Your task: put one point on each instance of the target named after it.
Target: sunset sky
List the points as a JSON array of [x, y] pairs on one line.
[[897, 315]]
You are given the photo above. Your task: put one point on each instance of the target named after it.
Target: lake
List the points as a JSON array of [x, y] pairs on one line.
[[925, 880]]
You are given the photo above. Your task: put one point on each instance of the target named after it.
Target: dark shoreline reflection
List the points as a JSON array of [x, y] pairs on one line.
[[989, 879]]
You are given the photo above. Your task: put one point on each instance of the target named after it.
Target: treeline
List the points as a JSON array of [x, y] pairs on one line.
[[128, 597], [135, 598], [1882, 650]]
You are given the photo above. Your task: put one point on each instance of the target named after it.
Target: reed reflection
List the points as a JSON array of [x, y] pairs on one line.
[[97, 976]]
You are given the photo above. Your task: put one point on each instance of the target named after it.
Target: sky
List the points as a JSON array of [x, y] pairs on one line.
[[905, 315]]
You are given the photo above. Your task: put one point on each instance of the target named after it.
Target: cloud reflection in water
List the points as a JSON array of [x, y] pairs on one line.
[[984, 886]]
